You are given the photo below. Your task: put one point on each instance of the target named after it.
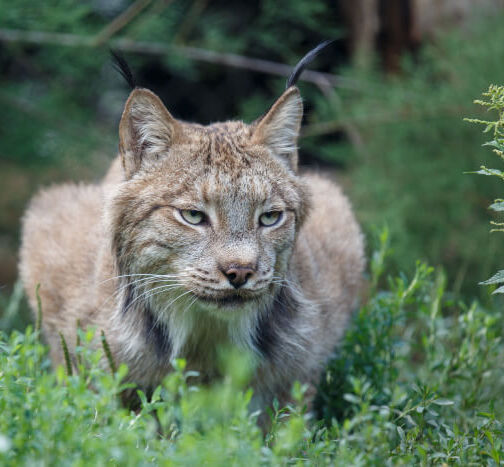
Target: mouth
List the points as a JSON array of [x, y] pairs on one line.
[[229, 301]]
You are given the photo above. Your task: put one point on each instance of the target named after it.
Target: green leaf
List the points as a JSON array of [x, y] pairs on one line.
[[495, 144], [497, 206], [495, 279], [143, 397], [485, 171], [351, 398], [443, 402], [499, 290]]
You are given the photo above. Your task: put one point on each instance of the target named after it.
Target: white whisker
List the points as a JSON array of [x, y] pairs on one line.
[[188, 307], [145, 275], [144, 282], [147, 281], [149, 293], [175, 299]]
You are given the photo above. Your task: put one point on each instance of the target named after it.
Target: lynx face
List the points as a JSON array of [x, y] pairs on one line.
[[207, 216]]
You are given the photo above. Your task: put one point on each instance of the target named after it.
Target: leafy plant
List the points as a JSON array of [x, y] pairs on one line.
[[494, 101], [417, 380]]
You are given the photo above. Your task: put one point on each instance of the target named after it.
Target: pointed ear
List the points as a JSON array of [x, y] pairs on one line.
[[279, 128], [146, 131]]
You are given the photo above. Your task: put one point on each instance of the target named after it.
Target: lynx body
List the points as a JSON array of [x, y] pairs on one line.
[[199, 237]]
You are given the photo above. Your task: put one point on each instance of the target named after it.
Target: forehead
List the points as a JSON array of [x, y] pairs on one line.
[[217, 163], [219, 186], [252, 184]]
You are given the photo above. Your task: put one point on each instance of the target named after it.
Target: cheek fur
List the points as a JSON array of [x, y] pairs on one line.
[[276, 246], [161, 239], [282, 236]]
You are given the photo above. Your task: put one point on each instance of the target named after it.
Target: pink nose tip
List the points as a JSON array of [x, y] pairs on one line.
[[238, 275]]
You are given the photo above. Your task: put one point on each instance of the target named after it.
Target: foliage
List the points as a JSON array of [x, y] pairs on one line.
[[415, 381], [495, 95], [416, 146]]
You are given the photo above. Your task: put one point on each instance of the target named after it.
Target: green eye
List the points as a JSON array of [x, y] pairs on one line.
[[268, 219], [192, 216]]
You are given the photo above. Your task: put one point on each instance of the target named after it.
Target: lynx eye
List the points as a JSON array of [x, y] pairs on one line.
[[269, 219], [192, 216]]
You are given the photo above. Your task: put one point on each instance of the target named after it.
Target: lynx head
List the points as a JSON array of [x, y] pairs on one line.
[[208, 213]]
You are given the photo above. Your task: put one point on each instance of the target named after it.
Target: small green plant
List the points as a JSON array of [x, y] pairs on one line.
[[494, 101]]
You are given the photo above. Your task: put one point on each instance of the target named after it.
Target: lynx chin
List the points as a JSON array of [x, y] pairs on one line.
[[199, 237]]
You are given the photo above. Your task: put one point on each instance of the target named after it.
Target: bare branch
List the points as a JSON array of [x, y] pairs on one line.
[[120, 21], [193, 53], [41, 37], [190, 20]]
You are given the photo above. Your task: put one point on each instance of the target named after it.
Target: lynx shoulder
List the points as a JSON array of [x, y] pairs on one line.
[[198, 237]]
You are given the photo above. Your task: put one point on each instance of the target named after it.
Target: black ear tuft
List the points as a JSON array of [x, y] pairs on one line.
[[123, 68], [304, 62]]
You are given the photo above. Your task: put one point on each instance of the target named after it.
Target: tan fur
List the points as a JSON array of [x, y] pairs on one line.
[[95, 248]]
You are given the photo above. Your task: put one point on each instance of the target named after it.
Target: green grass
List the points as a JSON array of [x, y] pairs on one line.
[[418, 379]]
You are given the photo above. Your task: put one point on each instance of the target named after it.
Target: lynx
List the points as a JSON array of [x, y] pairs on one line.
[[199, 237]]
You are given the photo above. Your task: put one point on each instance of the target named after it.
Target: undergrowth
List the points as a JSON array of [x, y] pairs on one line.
[[418, 379]]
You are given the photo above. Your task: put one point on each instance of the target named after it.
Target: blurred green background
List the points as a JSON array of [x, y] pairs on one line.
[[384, 112]]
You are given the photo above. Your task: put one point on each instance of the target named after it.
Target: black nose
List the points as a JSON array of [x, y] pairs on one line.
[[238, 275]]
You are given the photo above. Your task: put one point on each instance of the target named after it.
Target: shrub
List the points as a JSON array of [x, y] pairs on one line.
[[415, 381]]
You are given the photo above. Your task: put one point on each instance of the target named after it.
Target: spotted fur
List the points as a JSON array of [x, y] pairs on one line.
[[119, 256]]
